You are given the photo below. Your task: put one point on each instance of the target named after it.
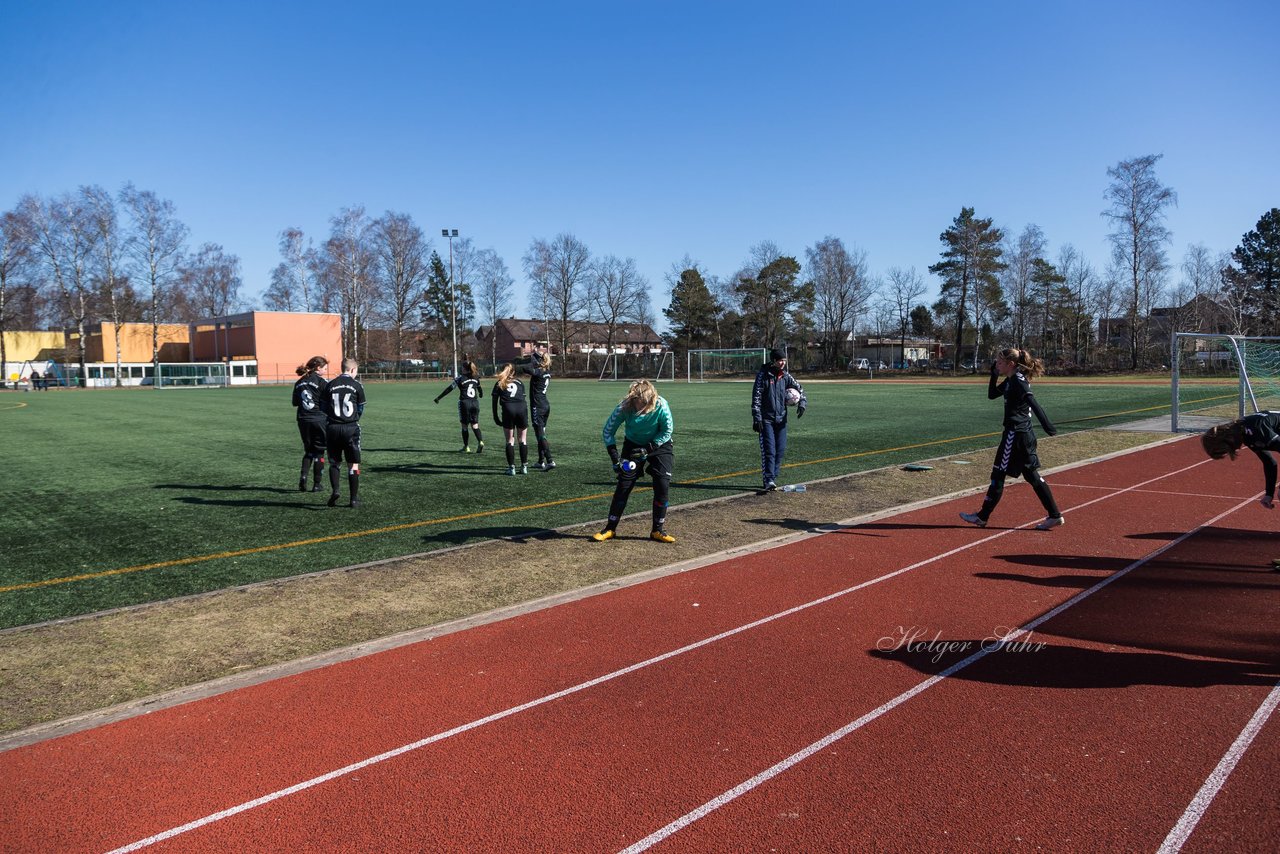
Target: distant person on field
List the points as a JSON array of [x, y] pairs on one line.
[[35, 380], [769, 413], [539, 371], [308, 397], [646, 444], [469, 393], [1259, 433], [1016, 453], [344, 404], [508, 396]]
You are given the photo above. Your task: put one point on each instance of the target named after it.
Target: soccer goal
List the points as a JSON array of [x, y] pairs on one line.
[[1221, 377], [628, 367], [707, 365]]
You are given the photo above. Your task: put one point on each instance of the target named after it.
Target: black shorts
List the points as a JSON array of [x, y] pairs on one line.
[[659, 463], [541, 412], [344, 441], [469, 413], [1016, 454], [313, 441], [517, 420]]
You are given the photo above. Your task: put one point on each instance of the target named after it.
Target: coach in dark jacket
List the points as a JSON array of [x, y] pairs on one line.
[[769, 413]]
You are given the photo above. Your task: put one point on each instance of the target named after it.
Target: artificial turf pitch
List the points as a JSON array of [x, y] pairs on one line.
[[116, 497]]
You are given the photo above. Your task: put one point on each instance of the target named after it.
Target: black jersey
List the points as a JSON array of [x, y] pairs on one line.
[[308, 396], [538, 382], [1262, 431], [469, 390], [344, 400], [510, 397], [1019, 403]]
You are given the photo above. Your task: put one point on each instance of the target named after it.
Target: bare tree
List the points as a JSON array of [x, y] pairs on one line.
[[401, 249], [109, 255], [347, 266], [559, 272], [155, 247], [901, 292], [293, 281], [211, 282], [65, 238], [494, 290], [842, 289], [15, 260], [1082, 283], [617, 294], [1137, 213], [1017, 278]]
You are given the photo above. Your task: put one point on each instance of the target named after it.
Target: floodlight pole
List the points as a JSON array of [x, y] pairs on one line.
[[451, 233]]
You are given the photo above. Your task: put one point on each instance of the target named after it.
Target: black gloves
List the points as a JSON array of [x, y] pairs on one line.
[[800, 411], [614, 456], [437, 400], [757, 426]]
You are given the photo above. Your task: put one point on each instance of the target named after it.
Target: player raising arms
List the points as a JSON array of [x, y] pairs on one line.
[[344, 404], [646, 442], [308, 397], [469, 394], [1016, 454], [508, 395], [539, 371]]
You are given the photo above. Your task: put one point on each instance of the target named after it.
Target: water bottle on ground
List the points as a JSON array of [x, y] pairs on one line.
[[795, 487]]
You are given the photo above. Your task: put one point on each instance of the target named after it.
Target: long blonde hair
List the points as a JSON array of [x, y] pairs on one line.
[[642, 397], [504, 376], [543, 359], [1026, 363]]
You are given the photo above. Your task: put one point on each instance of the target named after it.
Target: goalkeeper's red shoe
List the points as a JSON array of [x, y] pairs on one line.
[[601, 536], [662, 536]]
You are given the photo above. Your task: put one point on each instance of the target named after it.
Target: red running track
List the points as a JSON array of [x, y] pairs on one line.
[[843, 692]]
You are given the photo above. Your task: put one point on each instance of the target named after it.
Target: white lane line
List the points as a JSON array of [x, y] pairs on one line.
[[821, 744], [505, 713], [1200, 803], [1153, 491]]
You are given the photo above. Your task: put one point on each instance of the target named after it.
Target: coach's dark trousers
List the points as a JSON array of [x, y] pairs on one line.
[[773, 447]]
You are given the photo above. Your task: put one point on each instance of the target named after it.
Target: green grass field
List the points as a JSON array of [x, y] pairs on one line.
[[117, 497]]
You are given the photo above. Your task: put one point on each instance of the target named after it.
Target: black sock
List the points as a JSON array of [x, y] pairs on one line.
[[524, 453], [306, 464], [1043, 493], [466, 438], [511, 455], [333, 477], [318, 469], [353, 483], [476, 430]]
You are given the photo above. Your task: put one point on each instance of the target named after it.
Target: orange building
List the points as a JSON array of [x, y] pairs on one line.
[[278, 341], [135, 342]]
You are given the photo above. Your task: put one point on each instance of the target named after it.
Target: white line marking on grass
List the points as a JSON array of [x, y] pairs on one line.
[[1200, 803], [600, 680], [822, 743]]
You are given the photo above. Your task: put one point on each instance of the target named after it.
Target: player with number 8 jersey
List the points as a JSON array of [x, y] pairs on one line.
[[344, 404]]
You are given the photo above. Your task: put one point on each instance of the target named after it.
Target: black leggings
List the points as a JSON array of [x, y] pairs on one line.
[[659, 464], [996, 491]]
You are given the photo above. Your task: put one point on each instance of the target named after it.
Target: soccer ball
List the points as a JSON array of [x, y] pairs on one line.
[[793, 397]]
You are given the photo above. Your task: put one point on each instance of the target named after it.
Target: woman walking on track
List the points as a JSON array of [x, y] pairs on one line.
[[469, 393], [308, 397], [646, 442], [1259, 433], [1016, 454], [539, 371], [508, 395]]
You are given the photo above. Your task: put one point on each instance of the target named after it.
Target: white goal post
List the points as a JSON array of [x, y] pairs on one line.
[[723, 363], [1253, 362], [628, 367]]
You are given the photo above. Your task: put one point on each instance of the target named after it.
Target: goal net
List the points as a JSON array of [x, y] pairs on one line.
[[627, 367], [707, 365], [1218, 378]]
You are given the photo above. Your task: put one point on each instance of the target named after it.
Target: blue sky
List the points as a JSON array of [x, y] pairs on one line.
[[650, 130]]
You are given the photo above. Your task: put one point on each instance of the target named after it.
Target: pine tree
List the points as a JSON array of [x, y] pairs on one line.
[[969, 266], [693, 311]]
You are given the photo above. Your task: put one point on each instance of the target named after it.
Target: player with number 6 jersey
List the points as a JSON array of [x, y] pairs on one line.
[[308, 397], [469, 393], [344, 404]]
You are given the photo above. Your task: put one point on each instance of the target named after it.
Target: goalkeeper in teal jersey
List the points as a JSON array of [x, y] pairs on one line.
[[646, 444]]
